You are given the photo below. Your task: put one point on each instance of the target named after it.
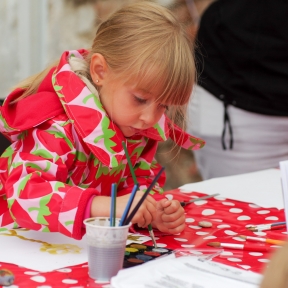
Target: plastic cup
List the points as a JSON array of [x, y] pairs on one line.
[[106, 247]]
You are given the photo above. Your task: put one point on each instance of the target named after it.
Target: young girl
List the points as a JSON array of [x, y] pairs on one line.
[[67, 124]]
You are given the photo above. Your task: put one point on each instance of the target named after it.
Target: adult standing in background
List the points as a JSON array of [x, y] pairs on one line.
[[240, 106]]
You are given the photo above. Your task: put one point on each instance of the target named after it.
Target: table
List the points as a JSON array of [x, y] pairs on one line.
[[228, 216]]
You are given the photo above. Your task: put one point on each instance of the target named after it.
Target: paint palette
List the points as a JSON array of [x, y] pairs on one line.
[[136, 254]]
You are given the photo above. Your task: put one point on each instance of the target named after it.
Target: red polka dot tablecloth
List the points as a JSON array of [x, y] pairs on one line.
[[229, 219]]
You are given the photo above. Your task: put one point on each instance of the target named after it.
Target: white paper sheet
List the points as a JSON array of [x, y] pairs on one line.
[[262, 188], [185, 272], [39, 250], [44, 252]]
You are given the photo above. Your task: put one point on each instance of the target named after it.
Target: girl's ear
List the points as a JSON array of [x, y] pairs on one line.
[[98, 68]]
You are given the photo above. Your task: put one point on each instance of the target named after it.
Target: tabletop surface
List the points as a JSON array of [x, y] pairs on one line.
[[229, 218]]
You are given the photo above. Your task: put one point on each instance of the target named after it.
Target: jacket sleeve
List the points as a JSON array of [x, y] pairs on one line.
[[39, 165]]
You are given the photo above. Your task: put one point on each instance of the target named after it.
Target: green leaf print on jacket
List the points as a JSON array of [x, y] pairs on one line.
[[160, 130], [96, 101], [116, 170], [4, 124], [58, 134], [42, 209], [107, 135], [102, 170], [23, 183], [138, 151], [144, 165], [42, 153], [37, 167], [81, 156], [8, 154], [22, 135]]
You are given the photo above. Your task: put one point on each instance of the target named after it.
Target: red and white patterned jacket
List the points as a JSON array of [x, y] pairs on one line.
[[66, 149]]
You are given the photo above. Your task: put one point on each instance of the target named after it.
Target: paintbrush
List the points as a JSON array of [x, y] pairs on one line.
[[247, 247], [184, 203], [265, 227], [129, 163], [150, 229], [265, 240], [131, 215], [113, 204], [128, 206], [278, 223], [136, 185]]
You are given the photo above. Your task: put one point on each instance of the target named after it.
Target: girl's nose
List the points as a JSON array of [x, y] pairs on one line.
[[150, 116]]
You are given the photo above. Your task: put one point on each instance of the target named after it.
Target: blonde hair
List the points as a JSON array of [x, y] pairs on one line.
[[144, 42]]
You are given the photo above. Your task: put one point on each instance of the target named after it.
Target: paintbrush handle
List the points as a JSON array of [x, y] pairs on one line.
[[184, 203], [113, 204], [245, 247], [131, 215], [278, 223], [276, 227], [265, 227], [128, 206], [275, 242], [264, 240], [150, 229], [256, 248]]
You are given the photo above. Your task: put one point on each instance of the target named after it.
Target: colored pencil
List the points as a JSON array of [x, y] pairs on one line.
[[130, 201], [131, 215], [246, 247], [128, 206], [265, 240], [129, 163], [184, 203], [113, 204]]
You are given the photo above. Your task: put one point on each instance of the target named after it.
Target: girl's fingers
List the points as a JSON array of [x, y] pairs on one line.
[[142, 219], [177, 229], [174, 207], [171, 223], [144, 215]]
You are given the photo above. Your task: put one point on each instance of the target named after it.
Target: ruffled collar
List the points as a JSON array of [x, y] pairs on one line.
[[91, 121]]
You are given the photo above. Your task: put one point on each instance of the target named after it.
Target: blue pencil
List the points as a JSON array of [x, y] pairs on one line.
[[128, 206], [135, 188], [131, 215], [113, 204]]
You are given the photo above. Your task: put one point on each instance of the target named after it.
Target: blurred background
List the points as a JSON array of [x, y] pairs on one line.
[[36, 32]]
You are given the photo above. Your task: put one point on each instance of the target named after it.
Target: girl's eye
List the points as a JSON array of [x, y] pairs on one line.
[[140, 100]]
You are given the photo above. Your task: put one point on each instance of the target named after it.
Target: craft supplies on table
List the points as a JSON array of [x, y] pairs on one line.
[[264, 240], [136, 254], [135, 188], [185, 271], [229, 219], [246, 247], [106, 246]]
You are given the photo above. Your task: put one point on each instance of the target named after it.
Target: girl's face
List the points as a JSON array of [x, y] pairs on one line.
[[130, 107]]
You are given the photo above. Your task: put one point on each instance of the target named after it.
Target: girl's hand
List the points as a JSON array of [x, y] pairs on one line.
[[169, 217], [144, 215]]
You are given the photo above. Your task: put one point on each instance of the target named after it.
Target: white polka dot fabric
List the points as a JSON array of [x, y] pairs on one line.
[[229, 218]]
